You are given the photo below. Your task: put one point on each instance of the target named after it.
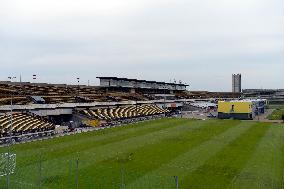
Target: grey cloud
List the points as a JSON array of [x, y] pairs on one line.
[[199, 42]]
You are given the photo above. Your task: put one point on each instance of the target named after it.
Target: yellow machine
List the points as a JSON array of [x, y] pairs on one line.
[[235, 109]]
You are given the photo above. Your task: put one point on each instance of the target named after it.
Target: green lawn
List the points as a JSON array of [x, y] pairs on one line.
[[203, 154]]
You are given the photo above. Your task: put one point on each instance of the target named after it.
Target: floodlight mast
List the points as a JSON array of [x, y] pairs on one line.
[[165, 108], [33, 92], [78, 90], [10, 134]]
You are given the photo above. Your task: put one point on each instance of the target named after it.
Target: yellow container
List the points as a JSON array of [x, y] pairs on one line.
[[239, 107]]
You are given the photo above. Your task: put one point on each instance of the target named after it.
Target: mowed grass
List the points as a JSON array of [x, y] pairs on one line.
[[203, 154]]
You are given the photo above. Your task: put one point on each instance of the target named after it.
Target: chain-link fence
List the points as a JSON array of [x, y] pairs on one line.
[[40, 171], [28, 169]]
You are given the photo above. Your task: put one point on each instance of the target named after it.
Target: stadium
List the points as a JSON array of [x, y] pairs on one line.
[[141, 94], [130, 133]]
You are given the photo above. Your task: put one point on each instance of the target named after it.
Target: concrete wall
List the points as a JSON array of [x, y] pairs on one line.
[[48, 112]]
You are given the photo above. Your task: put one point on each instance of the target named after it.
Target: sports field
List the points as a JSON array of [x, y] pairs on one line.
[[203, 154]]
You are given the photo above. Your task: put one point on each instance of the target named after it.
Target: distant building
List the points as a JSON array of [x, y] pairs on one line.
[[273, 96], [236, 83], [135, 84]]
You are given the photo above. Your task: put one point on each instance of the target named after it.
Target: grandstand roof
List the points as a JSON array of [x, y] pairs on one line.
[[137, 80]]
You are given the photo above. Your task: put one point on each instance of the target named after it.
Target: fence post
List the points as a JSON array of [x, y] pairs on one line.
[[40, 171], [176, 181], [7, 169], [122, 179], [69, 174], [77, 172]]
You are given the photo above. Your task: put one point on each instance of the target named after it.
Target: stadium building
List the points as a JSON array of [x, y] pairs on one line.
[[39, 108], [273, 96], [135, 85]]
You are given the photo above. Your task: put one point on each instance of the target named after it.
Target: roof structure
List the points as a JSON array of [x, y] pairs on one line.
[[137, 80]]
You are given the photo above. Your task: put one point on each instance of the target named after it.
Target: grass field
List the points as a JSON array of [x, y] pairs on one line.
[[203, 154]]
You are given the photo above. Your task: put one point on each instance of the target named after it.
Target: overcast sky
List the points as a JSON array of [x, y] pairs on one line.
[[201, 42]]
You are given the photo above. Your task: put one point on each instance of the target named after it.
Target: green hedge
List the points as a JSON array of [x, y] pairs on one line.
[[276, 114]]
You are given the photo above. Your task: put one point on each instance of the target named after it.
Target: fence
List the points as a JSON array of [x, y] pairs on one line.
[[40, 171], [29, 170]]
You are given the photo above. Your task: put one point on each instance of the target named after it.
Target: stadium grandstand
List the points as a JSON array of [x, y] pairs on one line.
[[273, 96], [124, 112], [43, 108], [142, 85], [23, 123], [27, 93], [207, 94]]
